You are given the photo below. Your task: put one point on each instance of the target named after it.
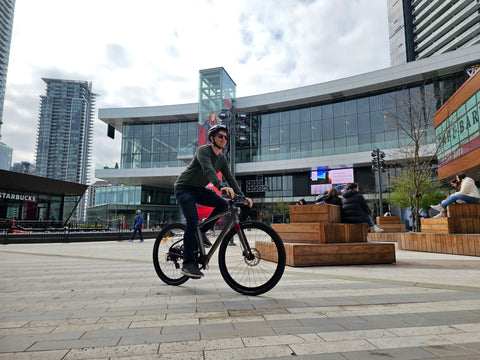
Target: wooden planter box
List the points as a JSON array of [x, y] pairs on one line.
[[463, 210], [331, 254], [442, 225], [381, 220], [321, 233], [459, 244], [315, 213]]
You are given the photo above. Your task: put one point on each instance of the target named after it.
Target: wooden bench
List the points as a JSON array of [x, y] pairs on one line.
[[315, 213], [463, 210], [321, 233], [316, 236], [458, 233], [459, 244], [332, 254], [390, 224], [461, 219]]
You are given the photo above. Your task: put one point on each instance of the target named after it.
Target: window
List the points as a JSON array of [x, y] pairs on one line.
[[364, 123]]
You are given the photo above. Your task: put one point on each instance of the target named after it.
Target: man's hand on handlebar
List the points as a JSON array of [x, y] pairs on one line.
[[228, 191]]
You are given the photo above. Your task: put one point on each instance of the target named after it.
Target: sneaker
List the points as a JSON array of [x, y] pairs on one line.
[[231, 243], [192, 271], [437, 207], [205, 240], [441, 214], [141, 240], [377, 229]]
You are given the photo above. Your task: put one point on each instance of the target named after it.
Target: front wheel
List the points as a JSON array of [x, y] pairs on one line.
[[168, 254], [257, 270]]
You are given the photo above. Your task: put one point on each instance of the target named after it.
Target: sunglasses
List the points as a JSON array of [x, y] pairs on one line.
[[221, 136]]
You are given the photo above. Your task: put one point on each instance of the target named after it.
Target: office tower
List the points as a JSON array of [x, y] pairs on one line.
[[6, 23], [422, 28], [5, 156], [93, 188], [24, 167], [65, 130]]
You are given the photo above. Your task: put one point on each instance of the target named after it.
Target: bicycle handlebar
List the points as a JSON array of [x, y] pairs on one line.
[[237, 199]]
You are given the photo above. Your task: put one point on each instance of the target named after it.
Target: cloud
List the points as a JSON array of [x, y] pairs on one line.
[[151, 53], [118, 56], [172, 51]]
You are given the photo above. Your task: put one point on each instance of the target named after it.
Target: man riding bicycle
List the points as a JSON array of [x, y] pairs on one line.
[[190, 190]]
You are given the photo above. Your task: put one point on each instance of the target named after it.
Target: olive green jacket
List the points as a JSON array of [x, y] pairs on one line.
[[204, 168]]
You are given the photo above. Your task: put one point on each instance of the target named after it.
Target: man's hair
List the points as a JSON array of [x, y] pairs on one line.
[[352, 186]]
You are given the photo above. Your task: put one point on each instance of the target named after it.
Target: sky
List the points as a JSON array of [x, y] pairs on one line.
[[150, 52]]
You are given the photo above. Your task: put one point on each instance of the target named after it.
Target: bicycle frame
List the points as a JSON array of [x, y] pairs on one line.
[[233, 222]]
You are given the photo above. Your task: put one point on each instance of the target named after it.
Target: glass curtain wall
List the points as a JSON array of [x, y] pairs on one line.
[[156, 145], [348, 126]]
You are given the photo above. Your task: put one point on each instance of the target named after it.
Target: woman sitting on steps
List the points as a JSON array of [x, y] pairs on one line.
[[468, 193]]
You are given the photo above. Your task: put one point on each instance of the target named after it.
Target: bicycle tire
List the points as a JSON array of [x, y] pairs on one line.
[[258, 275], [168, 254]]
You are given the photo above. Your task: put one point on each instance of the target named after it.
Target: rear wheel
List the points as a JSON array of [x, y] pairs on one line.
[[168, 254], [257, 270]]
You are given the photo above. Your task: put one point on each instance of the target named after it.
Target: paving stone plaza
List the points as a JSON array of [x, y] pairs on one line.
[[105, 301]]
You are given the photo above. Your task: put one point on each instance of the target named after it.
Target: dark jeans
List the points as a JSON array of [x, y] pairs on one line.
[[188, 198], [370, 221], [139, 233]]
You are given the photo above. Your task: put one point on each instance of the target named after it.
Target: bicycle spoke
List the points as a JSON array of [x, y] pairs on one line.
[[168, 254], [254, 275]]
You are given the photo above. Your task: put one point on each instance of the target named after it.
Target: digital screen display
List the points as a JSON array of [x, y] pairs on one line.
[[341, 176], [323, 179], [318, 173]]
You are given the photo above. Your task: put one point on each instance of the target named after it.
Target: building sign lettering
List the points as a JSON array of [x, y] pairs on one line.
[[459, 133], [18, 197]]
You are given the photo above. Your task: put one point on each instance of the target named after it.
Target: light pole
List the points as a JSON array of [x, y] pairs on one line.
[[231, 116], [379, 164]]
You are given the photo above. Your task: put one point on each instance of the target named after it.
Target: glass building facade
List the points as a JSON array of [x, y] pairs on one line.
[[349, 126], [344, 127], [291, 142], [116, 204], [157, 145]]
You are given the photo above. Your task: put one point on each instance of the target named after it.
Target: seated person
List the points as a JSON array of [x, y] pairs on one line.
[[456, 186], [355, 209], [468, 192], [302, 202], [331, 197]]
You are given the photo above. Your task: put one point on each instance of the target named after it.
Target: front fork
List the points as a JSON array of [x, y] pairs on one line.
[[247, 250]]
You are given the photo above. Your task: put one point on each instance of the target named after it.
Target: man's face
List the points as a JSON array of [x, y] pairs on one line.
[[221, 138]]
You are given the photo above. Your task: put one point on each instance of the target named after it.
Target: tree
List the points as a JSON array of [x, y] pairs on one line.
[[412, 112], [404, 194], [282, 208]]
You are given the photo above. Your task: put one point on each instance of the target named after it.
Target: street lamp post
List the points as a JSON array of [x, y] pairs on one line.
[[231, 116], [378, 164]]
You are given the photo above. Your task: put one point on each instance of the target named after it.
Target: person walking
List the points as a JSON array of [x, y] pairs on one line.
[[190, 190], [137, 227], [355, 209]]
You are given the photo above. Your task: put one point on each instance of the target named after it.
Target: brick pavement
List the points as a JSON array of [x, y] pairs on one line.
[[104, 301]]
